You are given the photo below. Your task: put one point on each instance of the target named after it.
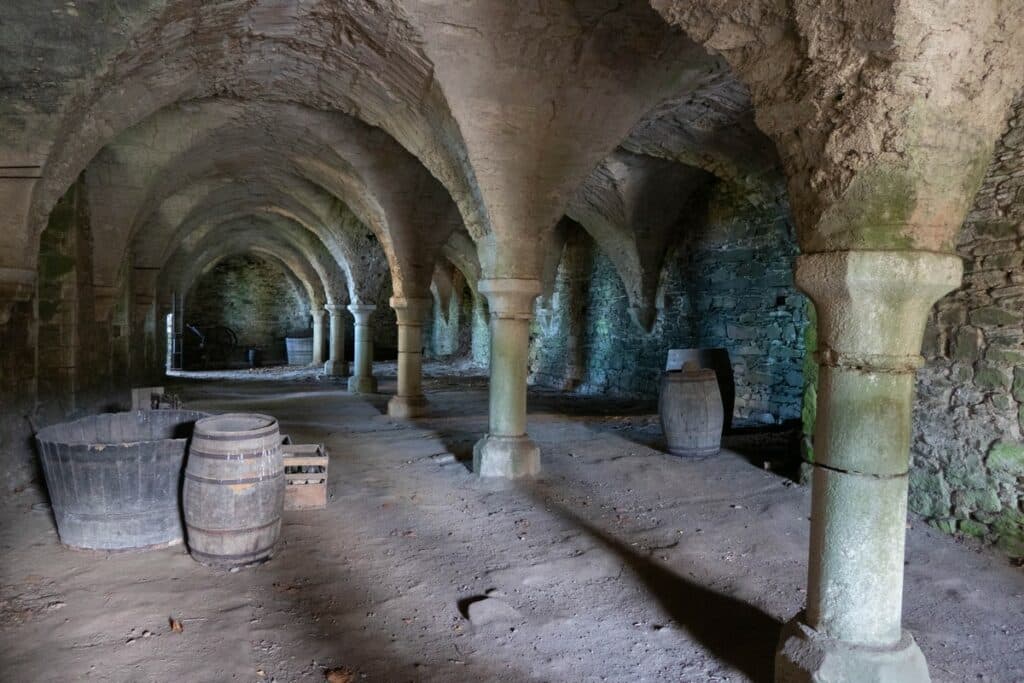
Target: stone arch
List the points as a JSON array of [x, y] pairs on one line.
[[404, 100]]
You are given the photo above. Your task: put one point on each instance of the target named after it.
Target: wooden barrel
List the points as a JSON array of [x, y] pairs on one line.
[[691, 411], [299, 349], [114, 478], [716, 359], [234, 489]]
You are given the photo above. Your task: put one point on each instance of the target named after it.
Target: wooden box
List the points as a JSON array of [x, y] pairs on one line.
[[305, 473]]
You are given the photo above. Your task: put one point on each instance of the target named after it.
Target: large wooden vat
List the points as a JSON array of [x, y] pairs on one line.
[[691, 411], [234, 489], [114, 478], [299, 350]]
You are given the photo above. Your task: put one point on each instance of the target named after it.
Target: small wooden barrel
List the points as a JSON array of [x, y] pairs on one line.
[[691, 411], [234, 489]]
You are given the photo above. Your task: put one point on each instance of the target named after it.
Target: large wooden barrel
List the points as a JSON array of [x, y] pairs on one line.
[[234, 489], [691, 411], [114, 478], [299, 349]]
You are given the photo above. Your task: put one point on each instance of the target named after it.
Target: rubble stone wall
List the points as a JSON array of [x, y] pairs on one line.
[[968, 442], [728, 284], [256, 300]]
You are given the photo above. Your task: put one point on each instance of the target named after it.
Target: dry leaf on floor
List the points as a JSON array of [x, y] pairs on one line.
[[339, 675], [176, 625]]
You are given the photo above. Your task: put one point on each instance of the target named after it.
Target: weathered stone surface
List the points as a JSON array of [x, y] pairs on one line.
[[254, 298], [1006, 458], [979, 450], [929, 493], [584, 337]]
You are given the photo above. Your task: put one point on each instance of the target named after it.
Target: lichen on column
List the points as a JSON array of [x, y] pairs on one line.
[[871, 308]]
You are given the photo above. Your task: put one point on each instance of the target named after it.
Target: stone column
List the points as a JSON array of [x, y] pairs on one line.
[[871, 308], [362, 380], [318, 336], [506, 450], [409, 401], [336, 365]]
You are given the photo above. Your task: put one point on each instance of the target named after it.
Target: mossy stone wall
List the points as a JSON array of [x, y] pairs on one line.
[[968, 443], [728, 284]]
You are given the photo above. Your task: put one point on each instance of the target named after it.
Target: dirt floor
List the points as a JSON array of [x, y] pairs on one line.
[[620, 563]]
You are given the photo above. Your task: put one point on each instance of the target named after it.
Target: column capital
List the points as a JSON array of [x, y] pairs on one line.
[[510, 297], [318, 315], [872, 305], [361, 312], [335, 309], [410, 310]]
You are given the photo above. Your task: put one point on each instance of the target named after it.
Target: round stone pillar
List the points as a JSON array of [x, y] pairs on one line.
[[336, 365], [318, 336], [409, 401], [362, 380], [871, 307], [506, 450]]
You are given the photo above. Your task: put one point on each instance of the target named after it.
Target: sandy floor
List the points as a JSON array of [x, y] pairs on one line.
[[619, 564]]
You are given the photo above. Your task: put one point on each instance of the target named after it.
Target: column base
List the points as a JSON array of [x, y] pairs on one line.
[[336, 368], [805, 656], [407, 406], [506, 456], [362, 384]]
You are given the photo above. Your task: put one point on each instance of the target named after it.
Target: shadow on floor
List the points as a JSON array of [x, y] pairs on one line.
[[731, 630], [773, 447]]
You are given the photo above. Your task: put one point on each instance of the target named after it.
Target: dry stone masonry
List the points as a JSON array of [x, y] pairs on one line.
[[728, 283], [968, 443]]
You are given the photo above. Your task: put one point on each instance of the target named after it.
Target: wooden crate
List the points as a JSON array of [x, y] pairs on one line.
[[304, 490]]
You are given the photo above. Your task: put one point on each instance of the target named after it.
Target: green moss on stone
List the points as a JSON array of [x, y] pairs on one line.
[[1002, 403], [991, 378], [1007, 356], [947, 526], [929, 494], [967, 473], [1017, 389], [1009, 527], [994, 316], [1006, 457], [986, 500], [968, 527]]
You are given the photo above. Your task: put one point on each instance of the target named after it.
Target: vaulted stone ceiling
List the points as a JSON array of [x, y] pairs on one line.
[[494, 119], [182, 111]]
